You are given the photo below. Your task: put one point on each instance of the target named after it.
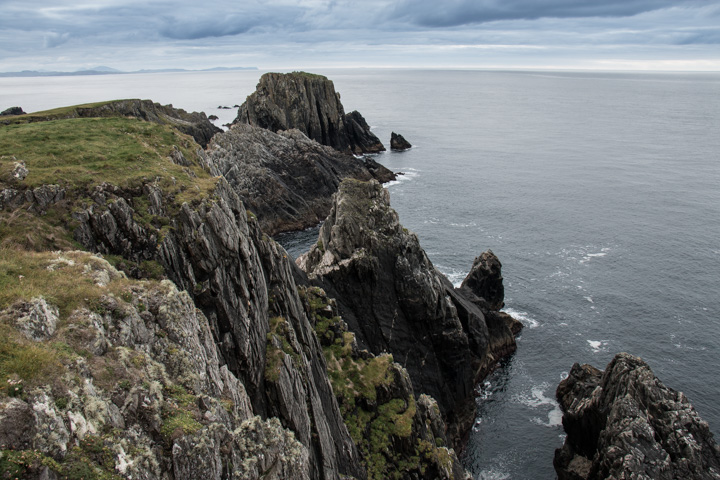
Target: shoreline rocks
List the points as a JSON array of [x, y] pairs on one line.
[[625, 423]]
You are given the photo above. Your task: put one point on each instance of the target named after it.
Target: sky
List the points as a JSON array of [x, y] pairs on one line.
[[66, 35]]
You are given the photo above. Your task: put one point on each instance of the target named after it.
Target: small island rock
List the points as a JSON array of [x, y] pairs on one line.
[[13, 111], [398, 142]]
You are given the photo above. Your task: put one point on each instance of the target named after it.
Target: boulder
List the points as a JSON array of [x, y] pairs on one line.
[[625, 423], [12, 111], [398, 142]]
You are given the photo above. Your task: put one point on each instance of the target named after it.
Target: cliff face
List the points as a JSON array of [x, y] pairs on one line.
[[310, 104], [179, 221], [285, 178], [394, 300], [624, 423]]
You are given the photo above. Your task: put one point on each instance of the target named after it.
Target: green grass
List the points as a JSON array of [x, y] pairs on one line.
[[86, 151]]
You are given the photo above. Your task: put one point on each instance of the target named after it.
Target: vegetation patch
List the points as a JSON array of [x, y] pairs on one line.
[[180, 413], [278, 344]]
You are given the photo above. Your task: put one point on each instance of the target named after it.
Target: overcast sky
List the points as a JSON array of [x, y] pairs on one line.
[[276, 34]]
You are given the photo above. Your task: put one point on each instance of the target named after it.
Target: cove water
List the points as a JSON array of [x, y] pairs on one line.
[[599, 192]]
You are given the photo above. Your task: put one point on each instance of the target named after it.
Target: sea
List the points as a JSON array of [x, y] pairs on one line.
[[598, 191]]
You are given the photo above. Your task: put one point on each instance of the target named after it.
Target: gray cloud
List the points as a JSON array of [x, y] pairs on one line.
[[463, 12]]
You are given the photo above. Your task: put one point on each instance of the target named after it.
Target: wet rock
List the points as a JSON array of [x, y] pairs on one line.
[[398, 142], [309, 103], [625, 423]]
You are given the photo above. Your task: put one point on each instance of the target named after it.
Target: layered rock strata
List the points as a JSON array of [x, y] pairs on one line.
[[394, 300], [285, 178], [625, 423], [310, 104]]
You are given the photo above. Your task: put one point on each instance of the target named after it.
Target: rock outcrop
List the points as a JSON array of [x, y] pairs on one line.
[[398, 142], [625, 423], [285, 178], [310, 104], [194, 124], [12, 111], [394, 300]]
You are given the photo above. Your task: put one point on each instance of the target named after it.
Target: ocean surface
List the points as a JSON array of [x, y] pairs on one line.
[[599, 192]]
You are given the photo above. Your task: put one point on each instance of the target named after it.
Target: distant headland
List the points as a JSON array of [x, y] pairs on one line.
[[112, 71]]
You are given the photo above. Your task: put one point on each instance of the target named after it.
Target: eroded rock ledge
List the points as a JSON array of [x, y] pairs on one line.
[[625, 423], [394, 300]]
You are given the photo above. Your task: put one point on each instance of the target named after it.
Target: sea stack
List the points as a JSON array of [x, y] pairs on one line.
[[310, 104], [398, 142]]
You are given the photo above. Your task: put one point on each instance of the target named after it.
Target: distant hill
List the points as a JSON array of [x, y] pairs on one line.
[[101, 70]]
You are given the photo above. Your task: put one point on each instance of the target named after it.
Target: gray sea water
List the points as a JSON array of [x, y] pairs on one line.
[[599, 192]]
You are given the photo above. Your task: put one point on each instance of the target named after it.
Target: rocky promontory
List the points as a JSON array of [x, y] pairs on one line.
[[310, 104], [625, 423], [394, 300], [285, 178]]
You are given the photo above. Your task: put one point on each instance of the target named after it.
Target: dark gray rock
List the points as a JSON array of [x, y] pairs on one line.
[[398, 142], [12, 111], [485, 280], [310, 104], [394, 300], [625, 423], [285, 178]]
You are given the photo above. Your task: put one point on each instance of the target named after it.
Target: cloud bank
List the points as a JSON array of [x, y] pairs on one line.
[[130, 34]]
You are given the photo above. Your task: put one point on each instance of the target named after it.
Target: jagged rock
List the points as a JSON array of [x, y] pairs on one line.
[[12, 111], [485, 280], [398, 142], [212, 118], [259, 449], [286, 179], [625, 423], [310, 104], [35, 319], [395, 301]]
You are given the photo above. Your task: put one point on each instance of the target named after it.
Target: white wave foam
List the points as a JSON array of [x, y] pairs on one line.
[[589, 256], [493, 475], [524, 317], [403, 177], [597, 345], [589, 299]]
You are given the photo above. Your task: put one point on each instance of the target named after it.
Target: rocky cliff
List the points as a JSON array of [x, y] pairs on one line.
[[218, 373], [394, 300], [625, 423], [310, 104], [285, 178]]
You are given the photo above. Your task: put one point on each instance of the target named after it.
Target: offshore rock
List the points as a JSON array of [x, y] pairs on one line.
[[625, 423], [12, 111], [398, 142], [285, 178], [310, 104], [485, 280], [394, 300]]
